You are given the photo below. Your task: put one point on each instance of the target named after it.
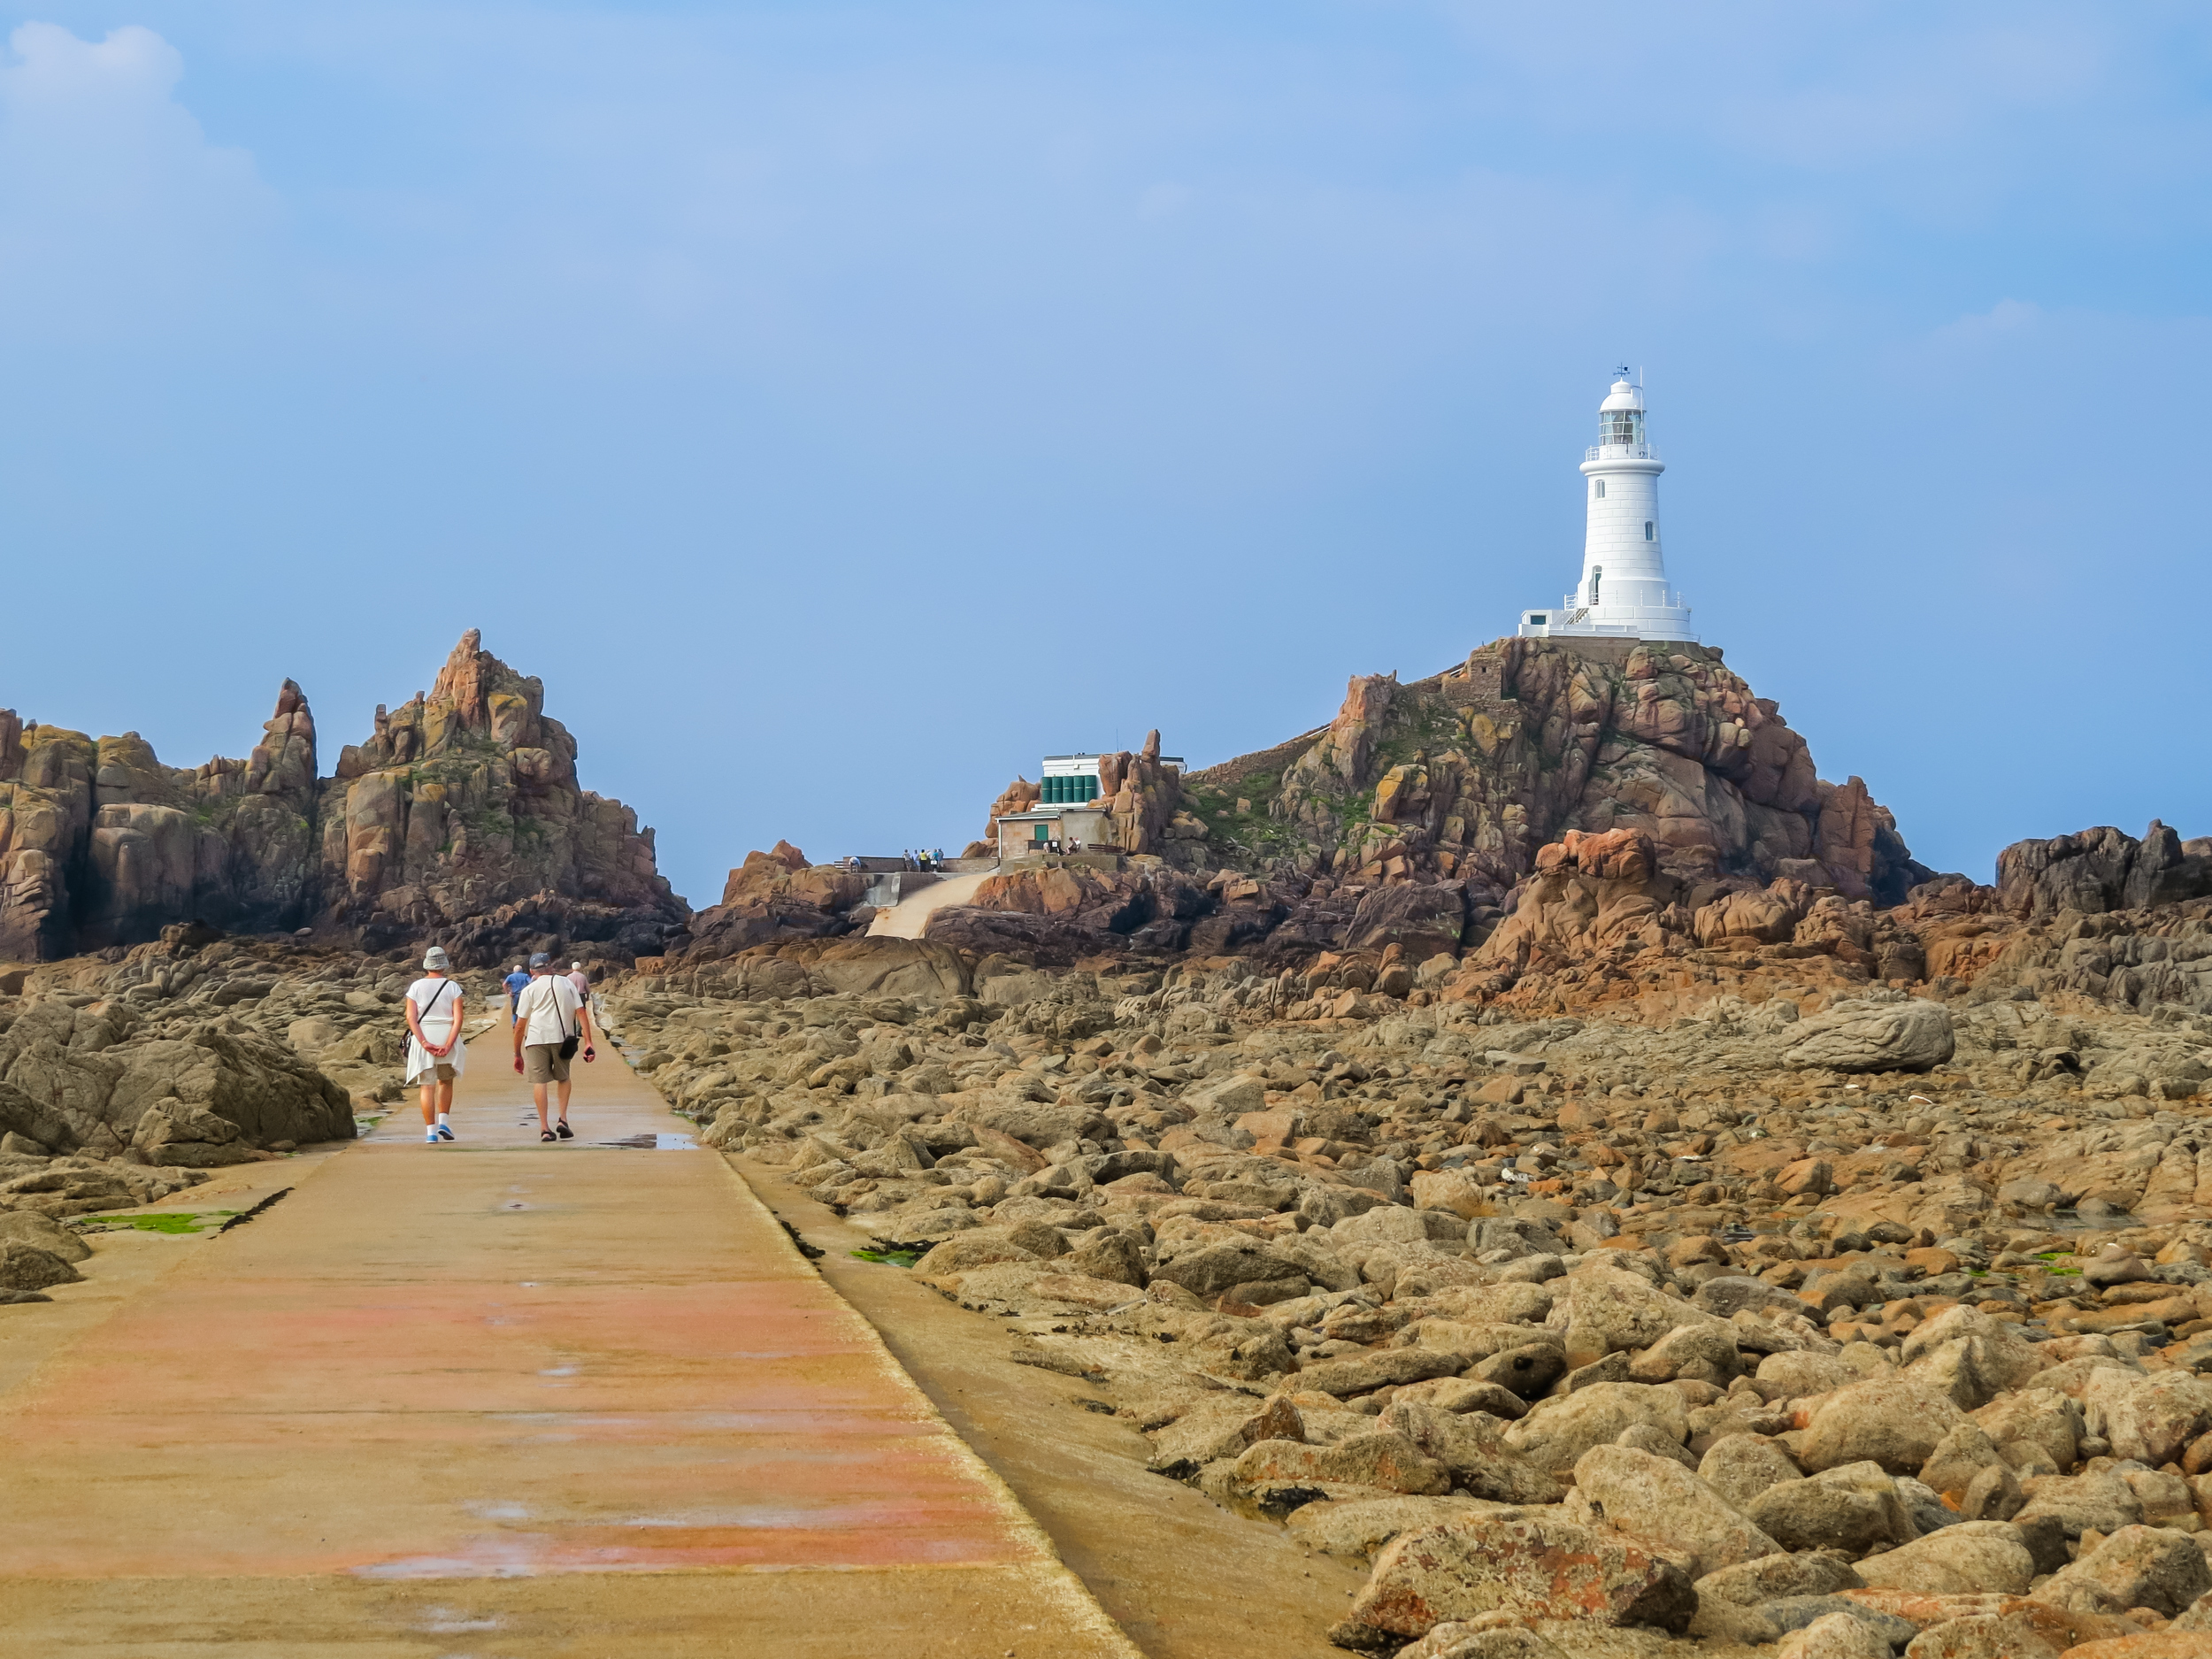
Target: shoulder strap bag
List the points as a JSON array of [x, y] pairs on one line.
[[569, 1039], [406, 1031]]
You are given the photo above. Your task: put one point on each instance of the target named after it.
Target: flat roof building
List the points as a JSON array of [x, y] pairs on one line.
[[1070, 813]]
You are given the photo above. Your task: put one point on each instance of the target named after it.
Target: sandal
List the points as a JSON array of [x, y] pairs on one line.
[[564, 1131], [547, 1135]]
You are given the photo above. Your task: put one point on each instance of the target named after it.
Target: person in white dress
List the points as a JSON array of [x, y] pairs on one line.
[[435, 1053]]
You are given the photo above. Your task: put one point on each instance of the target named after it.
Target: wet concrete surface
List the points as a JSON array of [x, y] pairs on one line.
[[496, 1397]]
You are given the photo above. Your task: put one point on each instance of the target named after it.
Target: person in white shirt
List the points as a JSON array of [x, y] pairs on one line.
[[549, 1017], [435, 1053]]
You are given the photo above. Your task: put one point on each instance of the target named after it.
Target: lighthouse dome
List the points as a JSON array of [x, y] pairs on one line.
[[1624, 395]]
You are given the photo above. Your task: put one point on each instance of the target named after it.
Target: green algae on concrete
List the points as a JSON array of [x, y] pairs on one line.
[[169, 1221]]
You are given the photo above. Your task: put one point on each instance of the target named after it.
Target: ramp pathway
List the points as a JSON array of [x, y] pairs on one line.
[[498, 1397], [910, 915]]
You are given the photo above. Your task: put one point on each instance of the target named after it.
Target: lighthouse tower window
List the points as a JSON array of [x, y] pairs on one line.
[[1601, 489], [1647, 530], [1597, 575]]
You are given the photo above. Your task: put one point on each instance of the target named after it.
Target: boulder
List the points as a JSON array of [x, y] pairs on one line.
[[1531, 1566], [2095, 1502], [1611, 1310], [1853, 1508], [25, 1267], [2137, 1566], [2149, 1419], [1913, 1035], [1559, 1430], [1109, 1254], [965, 1253], [1894, 1421], [1383, 1460], [1227, 1428], [1654, 1497], [1471, 1444], [1739, 1467], [1986, 1636], [1360, 1526], [1465, 1394], [1426, 920], [1212, 1269], [1959, 1456], [1769, 1577], [1362, 1374], [1972, 1558], [41, 1232], [1835, 1636]]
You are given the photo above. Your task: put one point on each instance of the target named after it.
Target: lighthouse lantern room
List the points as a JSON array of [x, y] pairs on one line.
[[1623, 592]]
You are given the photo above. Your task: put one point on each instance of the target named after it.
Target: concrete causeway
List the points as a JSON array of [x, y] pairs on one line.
[[498, 1397]]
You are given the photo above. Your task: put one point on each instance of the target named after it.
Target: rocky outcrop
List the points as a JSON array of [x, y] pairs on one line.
[[775, 896], [1468, 773], [104, 1080], [462, 812], [461, 816], [1053, 916], [2102, 870], [101, 844], [1018, 796], [1142, 794]]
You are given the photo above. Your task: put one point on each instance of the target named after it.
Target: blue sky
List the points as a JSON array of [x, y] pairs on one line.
[[840, 405]]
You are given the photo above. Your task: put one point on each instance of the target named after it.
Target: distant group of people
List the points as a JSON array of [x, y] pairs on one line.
[[910, 858], [548, 1013]]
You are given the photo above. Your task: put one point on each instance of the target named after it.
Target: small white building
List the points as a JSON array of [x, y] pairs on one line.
[[1623, 592], [1070, 812]]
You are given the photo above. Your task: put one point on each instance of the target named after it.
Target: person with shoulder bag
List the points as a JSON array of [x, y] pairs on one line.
[[550, 1023], [435, 1053]]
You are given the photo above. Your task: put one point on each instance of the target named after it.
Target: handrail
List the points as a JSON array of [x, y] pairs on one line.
[[1620, 452]]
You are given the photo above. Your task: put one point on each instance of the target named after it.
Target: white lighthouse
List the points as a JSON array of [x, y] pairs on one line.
[[1623, 592]]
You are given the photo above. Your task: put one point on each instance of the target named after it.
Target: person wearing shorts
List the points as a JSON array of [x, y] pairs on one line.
[[434, 1050], [516, 983], [547, 1016]]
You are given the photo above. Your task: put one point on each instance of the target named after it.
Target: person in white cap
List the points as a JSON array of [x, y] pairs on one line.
[[549, 1024], [434, 1050]]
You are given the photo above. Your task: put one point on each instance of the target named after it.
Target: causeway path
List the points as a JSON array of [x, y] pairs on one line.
[[497, 1398]]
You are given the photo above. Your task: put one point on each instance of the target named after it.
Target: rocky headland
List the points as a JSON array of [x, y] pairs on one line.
[[1535, 1119], [1531, 1137]]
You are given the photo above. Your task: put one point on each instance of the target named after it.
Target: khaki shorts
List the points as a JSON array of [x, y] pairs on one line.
[[442, 1069], [541, 1062]]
